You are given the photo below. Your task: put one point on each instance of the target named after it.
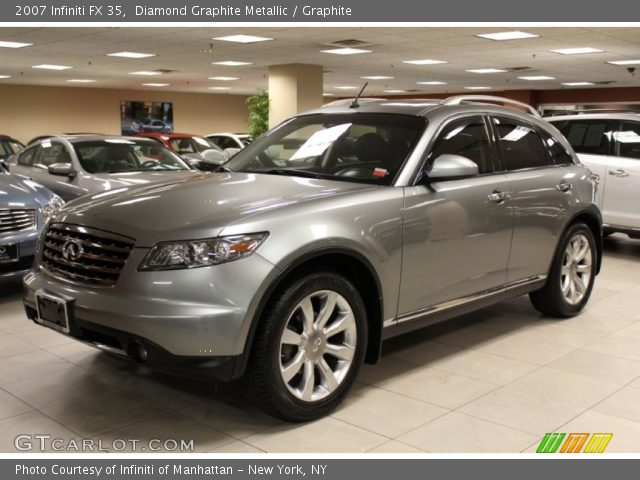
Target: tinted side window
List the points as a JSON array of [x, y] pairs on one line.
[[51, 153], [520, 145], [466, 137], [628, 140], [588, 136], [27, 157], [559, 155]]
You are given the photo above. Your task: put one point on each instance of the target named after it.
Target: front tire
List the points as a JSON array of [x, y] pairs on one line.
[[308, 347], [572, 275]]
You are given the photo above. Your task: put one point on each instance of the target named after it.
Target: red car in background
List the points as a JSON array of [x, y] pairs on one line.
[[198, 151]]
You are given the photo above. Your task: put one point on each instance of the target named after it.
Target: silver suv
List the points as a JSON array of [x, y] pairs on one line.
[[338, 229]]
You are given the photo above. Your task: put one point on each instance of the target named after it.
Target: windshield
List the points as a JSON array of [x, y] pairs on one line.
[[192, 145], [126, 155], [357, 147]]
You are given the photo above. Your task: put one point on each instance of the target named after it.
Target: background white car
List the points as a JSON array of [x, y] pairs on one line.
[[609, 144], [230, 140]]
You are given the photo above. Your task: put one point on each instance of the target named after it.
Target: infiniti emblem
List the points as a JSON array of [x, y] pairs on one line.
[[72, 250]]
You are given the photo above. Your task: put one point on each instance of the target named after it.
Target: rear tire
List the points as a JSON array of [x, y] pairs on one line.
[[309, 346], [571, 277]]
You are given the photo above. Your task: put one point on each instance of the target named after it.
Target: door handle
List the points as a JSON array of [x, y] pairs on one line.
[[498, 196], [618, 173], [564, 186]]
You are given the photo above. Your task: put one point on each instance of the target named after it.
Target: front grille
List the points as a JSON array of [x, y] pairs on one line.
[[16, 220], [85, 255]]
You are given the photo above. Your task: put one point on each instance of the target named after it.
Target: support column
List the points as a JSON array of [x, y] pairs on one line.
[[293, 88]]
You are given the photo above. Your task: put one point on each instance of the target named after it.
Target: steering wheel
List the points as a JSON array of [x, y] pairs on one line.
[[150, 163]]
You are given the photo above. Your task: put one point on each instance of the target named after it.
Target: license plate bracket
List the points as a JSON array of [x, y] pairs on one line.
[[53, 311]]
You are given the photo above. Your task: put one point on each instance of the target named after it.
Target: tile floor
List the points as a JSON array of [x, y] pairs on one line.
[[492, 381]]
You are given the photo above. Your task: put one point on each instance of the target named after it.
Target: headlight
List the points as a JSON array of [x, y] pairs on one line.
[[200, 253], [52, 208]]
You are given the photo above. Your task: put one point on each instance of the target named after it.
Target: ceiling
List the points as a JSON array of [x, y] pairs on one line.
[[189, 53]]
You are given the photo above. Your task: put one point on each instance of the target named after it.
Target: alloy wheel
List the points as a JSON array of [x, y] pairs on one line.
[[318, 345], [575, 274]]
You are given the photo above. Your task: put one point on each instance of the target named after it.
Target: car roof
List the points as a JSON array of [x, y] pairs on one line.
[[596, 116], [423, 107], [166, 135], [94, 138], [7, 138]]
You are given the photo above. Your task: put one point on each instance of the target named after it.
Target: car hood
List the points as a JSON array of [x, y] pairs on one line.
[[19, 192], [113, 181], [195, 208]]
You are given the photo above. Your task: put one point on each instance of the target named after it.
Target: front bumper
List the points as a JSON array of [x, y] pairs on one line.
[[183, 318]]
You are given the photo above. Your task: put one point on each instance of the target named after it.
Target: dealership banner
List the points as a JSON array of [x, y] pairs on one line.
[[312, 469], [315, 11]]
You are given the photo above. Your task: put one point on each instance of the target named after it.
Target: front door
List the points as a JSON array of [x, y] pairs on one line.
[[457, 233]]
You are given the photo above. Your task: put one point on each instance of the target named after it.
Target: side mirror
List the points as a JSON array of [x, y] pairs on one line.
[[3, 165], [62, 170], [449, 167], [214, 156]]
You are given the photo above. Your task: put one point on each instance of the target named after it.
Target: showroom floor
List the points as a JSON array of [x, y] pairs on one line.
[[493, 381]]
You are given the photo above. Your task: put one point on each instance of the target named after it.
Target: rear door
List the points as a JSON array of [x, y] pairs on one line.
[[622, 195], [540, 197]]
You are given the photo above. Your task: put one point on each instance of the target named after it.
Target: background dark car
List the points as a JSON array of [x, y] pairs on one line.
[[9, 146]]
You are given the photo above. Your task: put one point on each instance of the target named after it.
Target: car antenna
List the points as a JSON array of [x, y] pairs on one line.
[[355, 103]]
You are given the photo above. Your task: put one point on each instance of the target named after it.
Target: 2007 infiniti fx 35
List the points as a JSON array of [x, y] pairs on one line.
[[336, 230]]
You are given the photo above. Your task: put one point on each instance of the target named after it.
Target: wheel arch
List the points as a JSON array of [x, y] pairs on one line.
[[354, 266], [592, 218]]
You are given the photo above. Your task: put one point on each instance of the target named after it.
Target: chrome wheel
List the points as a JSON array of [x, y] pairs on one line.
[[575, 274], [318, 345]]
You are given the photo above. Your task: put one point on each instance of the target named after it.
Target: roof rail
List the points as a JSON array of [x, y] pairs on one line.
[[458, 99]]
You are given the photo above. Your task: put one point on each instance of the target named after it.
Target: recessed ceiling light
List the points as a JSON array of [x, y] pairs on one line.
[[345, 87], [145, 73], [231, 63], [477, 88], [577, 84], [486, 70], [501, 36], [46, 66], [81, 80], [426, 61], [131, 55], [5, 76], [156, 84], [219, 88], [432, 82], [345, 51], [14, 44], [377, 77], [395, 91], [224, 79], [243, 38], [576, 51], [624, 62], [537, 77]]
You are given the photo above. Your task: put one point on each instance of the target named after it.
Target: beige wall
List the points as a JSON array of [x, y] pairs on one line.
[[27, 111]]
